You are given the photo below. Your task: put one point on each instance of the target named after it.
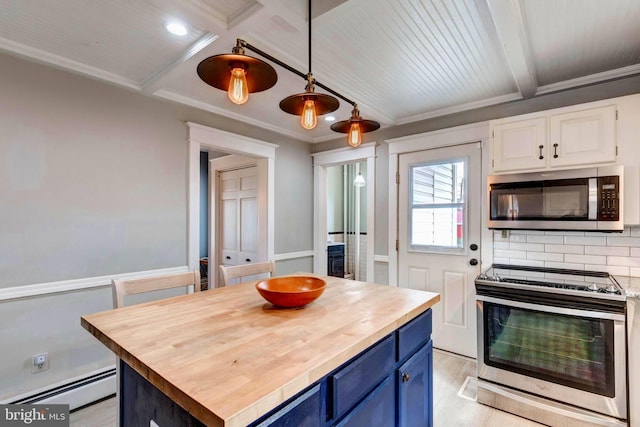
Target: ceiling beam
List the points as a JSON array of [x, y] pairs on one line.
[[153, 82], [509, 22]]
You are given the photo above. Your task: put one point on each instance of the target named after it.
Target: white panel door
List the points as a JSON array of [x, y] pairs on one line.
[[239, 216], [439, 220]]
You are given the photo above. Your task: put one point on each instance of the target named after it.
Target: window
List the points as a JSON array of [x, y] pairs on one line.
[[437, 206]]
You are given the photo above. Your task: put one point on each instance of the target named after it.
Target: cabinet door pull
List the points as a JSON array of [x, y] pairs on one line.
[[228, 257], [406, 377], [248, 260], [540, 147], [555, 151]]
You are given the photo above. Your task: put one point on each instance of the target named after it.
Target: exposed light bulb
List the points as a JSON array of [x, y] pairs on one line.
[[355, 136], [308, 118], [238, 92]]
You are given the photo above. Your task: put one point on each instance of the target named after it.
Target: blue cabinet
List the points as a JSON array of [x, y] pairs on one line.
[[415, 389], [388, 384]]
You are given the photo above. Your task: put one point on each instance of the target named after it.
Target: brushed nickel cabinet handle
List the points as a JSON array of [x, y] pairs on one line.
[[406, 377]]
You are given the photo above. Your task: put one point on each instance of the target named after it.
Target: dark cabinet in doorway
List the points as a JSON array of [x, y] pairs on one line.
[[335, 260]]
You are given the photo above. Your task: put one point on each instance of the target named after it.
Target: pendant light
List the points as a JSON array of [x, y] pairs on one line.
[[359, 180], [237, 73], [309, 105], [355, 127]]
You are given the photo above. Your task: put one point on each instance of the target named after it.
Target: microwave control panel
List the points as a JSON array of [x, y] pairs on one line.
[[608, 198]]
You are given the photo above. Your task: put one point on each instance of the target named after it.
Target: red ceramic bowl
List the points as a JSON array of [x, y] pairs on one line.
[[291, 291]]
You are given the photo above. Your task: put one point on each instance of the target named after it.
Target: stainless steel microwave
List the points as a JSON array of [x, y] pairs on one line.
[[578, 199]]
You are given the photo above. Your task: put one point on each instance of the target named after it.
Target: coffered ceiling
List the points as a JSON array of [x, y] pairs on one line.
[[402, 61]]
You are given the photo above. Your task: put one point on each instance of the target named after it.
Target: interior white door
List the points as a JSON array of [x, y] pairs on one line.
[[239, 216], [439, 220]]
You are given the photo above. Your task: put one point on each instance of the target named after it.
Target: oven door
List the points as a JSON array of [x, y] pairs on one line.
[[572, 356]]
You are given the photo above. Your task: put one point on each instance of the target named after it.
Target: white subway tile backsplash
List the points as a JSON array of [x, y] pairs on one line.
[[615, 253], [510, 254], [585, 259], [623, 241], [608, 250], [611, 269], [565, 249], [531, 247], [585, 240], [558, 239], [545, 256], [624, 261]]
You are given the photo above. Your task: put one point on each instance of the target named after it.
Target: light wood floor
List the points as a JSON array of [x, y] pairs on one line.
[[450, 408]]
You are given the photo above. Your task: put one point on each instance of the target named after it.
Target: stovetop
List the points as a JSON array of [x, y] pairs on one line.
[[592, 284]]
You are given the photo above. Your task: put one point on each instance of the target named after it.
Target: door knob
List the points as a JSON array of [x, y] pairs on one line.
[[473, 247], [473, 261]]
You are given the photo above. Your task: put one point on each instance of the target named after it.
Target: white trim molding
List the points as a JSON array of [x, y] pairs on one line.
[[40, 289], [381, 258], [293, 255]]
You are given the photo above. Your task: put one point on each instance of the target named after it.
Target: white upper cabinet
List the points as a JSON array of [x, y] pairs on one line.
[[583, 137], [561, 138], [519, 145]]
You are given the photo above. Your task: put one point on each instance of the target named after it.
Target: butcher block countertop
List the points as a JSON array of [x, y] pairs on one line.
[[228, 357]]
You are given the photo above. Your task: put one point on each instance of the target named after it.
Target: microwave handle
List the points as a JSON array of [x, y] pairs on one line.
[[593, 199]]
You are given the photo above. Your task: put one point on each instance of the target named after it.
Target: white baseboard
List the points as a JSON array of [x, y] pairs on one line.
[[76, 392]]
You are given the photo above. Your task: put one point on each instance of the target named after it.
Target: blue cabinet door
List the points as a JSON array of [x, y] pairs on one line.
[[415, 389], [378, 409]]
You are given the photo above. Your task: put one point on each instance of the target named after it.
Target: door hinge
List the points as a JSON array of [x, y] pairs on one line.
[[397, 177], [493, 134], [397, 245], [616, 114], [616, 150]]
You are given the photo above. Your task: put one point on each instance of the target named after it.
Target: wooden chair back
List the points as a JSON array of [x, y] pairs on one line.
[[120, 288], [245, 270]]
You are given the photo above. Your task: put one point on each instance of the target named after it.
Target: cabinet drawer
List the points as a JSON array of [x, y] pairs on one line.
[[376, 410], [355, 380], [413, 334], [304, 410]]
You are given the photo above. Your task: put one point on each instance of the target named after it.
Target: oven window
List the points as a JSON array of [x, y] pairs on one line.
[[573, 351]]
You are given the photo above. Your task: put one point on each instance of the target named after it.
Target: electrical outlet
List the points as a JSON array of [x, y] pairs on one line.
[[40, 363]]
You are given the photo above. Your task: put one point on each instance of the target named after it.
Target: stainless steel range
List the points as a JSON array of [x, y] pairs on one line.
[[552, 345]]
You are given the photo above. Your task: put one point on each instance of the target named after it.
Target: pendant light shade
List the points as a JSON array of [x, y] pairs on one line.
[[359, 181], [309, 105], [237, 74], [355, 127]]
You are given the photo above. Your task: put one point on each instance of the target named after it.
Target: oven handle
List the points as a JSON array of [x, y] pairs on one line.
[[550, 309]]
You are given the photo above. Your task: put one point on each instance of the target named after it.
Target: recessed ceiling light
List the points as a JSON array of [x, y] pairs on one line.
[[177, 28], [330, 118]]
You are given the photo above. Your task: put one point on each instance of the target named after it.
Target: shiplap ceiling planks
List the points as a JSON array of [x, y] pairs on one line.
[[401, 61]]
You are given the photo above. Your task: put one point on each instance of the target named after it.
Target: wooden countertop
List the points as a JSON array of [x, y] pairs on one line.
[[228, 357]]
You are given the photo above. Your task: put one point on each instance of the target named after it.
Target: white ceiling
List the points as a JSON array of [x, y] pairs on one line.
[[400, 60]]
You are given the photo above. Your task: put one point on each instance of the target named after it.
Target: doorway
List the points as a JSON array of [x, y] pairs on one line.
[[321, 163], [439, 237], [262, 154], [347, 218]]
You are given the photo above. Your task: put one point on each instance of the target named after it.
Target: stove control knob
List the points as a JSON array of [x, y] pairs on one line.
[[593, 287], [495, 278], [612, 289], [482, 276]]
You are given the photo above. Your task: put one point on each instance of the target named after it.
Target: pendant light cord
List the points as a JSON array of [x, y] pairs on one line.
[[309, 38]]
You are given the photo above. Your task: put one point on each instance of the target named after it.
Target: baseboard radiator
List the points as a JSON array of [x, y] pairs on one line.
[[76, 393]]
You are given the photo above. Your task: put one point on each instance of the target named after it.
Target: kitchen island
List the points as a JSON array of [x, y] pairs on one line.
[[226, 357]]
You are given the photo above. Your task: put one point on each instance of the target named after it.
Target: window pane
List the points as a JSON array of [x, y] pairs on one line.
[[437, 227], [437, 205]]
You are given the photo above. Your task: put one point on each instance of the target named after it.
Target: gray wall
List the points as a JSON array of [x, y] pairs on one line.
[[94, 183]]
